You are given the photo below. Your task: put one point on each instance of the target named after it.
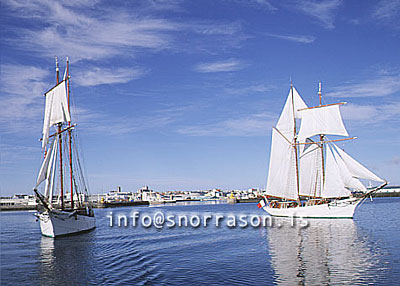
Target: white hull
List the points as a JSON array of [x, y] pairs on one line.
[[55, 224], [338, 209]]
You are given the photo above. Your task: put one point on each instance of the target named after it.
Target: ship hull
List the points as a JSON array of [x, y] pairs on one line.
[[64, 223], [341, 209]]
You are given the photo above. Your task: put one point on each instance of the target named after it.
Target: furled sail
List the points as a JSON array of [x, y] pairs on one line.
[[321, 120], [355, 168], [56, 109], [310, 170], [282, 166], [334, 186]]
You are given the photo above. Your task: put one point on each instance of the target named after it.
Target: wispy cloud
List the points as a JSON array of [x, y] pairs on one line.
[[98, 76], [305, 39], [376, 114], [323, 11], [22, 88], [127, 125], [380, 86], [123, 124], [220, 66], [254, 125], [106, 31], [249, 89], [263, 4], [387, 10]]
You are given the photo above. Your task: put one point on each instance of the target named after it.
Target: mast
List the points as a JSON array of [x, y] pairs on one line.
[[70, 139], [57, 71], [295, 146], [60, 146], [321, 138]]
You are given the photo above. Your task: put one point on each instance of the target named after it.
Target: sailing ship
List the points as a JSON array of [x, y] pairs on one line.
[[309, 176], [63, 207]]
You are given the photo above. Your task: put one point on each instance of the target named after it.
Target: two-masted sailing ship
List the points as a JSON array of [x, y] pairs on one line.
[[309, 176], [63, 206]]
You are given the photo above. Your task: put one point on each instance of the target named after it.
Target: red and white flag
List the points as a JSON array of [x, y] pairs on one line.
[[261, 204]]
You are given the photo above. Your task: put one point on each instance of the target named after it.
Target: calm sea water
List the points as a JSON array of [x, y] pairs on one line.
[[362, 251]]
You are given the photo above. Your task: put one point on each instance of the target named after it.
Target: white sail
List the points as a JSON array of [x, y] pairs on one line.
[[51, 172], [334, 186], [45, 169], [310, 170], [290, 111], [321, 120], [348, 179], [282, 168], [282, 178], [56, 110], [356, 169]]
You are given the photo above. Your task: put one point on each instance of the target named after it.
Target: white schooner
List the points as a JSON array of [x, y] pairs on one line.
[[309, 176], [63, 208]]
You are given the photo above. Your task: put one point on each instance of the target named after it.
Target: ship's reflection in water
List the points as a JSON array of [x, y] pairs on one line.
[[66, 260], [327, 252]]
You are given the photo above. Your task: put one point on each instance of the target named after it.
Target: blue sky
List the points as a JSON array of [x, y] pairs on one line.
[[183, 94]]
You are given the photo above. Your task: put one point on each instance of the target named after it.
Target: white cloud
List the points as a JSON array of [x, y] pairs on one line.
[[255, 125], [264, 4], [294, 38], [98, 76], [92, 31], [22, 89], [255, 88], [323, 11], [380, 86], [387, 10], [220, 66], [372, 114]]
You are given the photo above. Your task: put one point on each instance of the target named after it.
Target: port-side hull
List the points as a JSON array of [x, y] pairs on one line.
[[335, 210], [59, 224]]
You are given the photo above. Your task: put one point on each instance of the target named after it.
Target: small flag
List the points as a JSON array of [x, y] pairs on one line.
[[261, 204]]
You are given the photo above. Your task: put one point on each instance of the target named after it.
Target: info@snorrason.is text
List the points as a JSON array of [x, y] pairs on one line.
[[170, 220]]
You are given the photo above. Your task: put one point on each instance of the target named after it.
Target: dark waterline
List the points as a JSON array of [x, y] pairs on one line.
[[335, 252]]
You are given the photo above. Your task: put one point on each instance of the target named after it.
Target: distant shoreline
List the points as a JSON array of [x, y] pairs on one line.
[[32, 208]]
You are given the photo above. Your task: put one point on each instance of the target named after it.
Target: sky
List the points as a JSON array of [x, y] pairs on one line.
[[182, 95]]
